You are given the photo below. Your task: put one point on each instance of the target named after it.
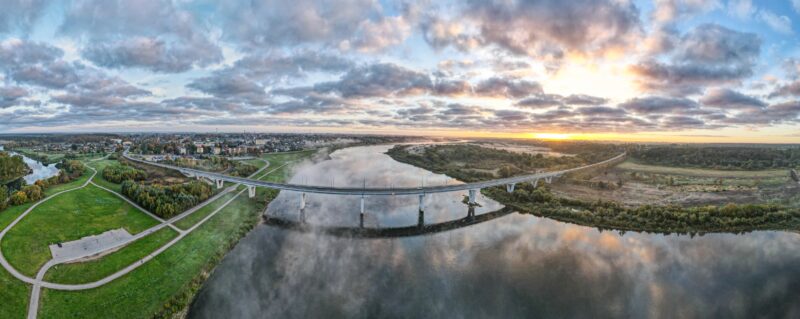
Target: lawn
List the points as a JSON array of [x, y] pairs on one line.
[[14, 295], [278, 160], [67, 217], [100, 180], [700, 172], [89, 271], [192, 219], [172, 277]]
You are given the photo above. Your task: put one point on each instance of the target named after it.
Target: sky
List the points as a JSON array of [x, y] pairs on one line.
[[665, 71]]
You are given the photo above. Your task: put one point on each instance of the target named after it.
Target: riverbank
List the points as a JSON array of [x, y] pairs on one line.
[[605, 214]]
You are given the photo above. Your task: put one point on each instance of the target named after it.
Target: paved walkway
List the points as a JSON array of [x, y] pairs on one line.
[[38, 282]]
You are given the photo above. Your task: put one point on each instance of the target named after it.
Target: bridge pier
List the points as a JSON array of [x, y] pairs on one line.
[[510, 187], [473, 193], [548, 179], [361, 215], [220, 183], [303, 207], [251, 191], [535, 183], [421, 202], [471, 211]]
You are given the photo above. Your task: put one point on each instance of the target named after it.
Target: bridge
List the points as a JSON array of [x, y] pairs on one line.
[[472, 188]]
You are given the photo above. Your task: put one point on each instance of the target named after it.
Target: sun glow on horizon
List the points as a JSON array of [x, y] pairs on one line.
[[552, 136]]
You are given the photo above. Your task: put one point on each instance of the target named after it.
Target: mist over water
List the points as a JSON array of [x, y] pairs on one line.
[[514, 266]]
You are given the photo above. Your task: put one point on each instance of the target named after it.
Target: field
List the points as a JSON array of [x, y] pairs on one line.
[[167, 283], [700, 172], [69, 216], [174, 275], [635, 184], [96, 269]]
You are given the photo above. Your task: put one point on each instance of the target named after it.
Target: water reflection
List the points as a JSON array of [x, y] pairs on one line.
[[38, 170], [514, 266]]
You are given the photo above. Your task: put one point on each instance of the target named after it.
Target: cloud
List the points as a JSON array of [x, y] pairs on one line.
[[537, 27], [10, 95], [507, 87], [790, 89], [658, 105], [350, 24], [779, 23], [20, 14], [708, 55], [730, 99], [156, 35], [154, 54]]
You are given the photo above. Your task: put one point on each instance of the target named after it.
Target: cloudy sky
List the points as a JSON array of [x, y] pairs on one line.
[[666, 70]]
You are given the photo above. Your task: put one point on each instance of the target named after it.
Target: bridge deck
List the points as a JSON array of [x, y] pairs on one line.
[[377, 190]]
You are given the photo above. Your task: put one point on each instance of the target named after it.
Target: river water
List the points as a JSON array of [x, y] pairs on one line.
[[511, 266], [39, 170]]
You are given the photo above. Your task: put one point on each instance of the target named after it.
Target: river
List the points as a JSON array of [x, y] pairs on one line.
[[512, 266], [38, 170]]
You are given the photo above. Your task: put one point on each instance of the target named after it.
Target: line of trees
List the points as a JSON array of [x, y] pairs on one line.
[[747, 158], [660, 219], [118, 173], [167, 200]]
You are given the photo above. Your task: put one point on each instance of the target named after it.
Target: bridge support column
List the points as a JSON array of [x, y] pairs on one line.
[[535, 183], [361, 215], [303, 207], [471, 211], [421, 219], [251, 191], [510, 187], [220, 183], [548, 179], [473, 194]]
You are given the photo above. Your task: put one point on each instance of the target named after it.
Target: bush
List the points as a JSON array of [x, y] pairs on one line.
[[19, 198]]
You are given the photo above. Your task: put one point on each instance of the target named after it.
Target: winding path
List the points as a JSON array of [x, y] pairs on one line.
[[38, 282]]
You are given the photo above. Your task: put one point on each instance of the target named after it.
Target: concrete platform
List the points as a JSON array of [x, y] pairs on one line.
[[90, 245]]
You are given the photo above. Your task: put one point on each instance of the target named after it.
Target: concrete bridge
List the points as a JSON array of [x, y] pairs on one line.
[[472, 188]]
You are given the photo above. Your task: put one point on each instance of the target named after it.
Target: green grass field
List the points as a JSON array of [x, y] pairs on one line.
[[698, 172], [89, 271], [100, 180], [172, 276], [190, 220], [279, 160], [70, 216]]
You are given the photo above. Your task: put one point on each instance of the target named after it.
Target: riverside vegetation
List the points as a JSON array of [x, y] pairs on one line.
[[471, 163]]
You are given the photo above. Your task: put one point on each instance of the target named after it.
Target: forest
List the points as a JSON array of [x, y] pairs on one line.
[[167, 201], [719, 157]]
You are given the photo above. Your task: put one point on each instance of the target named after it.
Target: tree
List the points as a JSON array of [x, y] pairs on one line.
[[19, 198]]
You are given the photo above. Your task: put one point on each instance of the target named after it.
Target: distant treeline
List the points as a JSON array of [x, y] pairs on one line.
[[216, 164], [746, 158], [118, 173], [167, 200]]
